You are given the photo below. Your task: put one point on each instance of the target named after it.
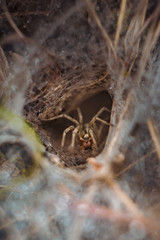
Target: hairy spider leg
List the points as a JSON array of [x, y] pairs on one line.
[[92, 137], [80, 115], [76, 129], [96, 117], [74, 133], [65, 133], [63, 116]]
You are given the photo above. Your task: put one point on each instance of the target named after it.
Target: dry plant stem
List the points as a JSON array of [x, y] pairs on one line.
[[3, 69], [150, 224], [130, 205], [155, 136], [112, 150], [146, 23], [152, 37], [8, 224], [99, 24], [120, 21], [3, 60], [126, 200], [133, 164], [10, 20], [102, 212], [136, 24]]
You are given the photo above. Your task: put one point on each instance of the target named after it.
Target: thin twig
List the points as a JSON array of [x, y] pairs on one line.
[[10, 20], [87, 209], [126, 200], [155, 136], [8, 224], [134, 164], [150, 42], [134, 26], [120, 21], [103, 31]]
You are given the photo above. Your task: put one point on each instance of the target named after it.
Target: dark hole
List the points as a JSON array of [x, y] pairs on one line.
[[89, 109]]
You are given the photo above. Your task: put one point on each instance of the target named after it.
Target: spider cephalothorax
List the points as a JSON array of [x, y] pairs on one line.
[[84, 132], [86, 141]]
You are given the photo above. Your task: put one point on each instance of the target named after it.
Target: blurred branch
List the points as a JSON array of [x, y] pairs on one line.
[[124, 170], [155, 136], [103, 31], [10, 20], [120, 21]]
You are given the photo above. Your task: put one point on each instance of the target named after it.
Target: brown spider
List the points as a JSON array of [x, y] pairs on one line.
[[85, 132]]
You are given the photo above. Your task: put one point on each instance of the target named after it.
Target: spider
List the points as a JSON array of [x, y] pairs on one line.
[[84, 132]]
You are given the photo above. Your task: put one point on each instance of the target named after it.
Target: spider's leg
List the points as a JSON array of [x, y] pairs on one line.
[[99, 131], [65, 133], [103, 121], [63, 116], [96, 117], [74, 133], [80, 115], [93, 138]]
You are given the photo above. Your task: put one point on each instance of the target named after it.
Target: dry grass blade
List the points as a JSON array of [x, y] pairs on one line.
[[8, 224], [102, 212], [130, 205], [150, 42], [155, 136], [134, 163], [65, 63], [150, 224], [87, 209], [10, 20], [112, 150], [146, 24], [120, 21], [3, 69], [99, 24], [134, 27]]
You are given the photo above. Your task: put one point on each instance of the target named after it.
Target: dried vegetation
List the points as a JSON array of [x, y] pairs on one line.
[[55, 56]]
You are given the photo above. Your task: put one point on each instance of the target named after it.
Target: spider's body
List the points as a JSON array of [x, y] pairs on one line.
[[84, 132]]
